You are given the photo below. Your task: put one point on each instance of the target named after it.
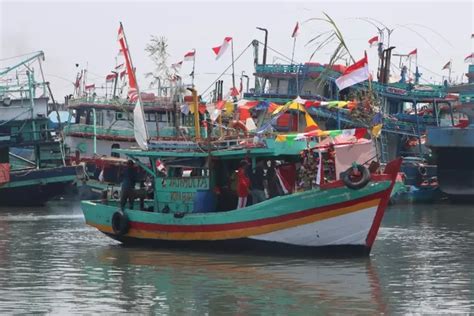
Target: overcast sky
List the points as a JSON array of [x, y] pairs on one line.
[[71, 32]]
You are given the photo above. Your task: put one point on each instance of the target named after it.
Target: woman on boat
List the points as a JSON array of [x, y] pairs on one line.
[[243, 184]]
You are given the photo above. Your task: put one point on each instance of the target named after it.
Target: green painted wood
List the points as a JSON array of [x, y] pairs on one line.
[[98, 213]]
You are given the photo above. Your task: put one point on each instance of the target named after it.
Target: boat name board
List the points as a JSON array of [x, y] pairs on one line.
[[186, 183]]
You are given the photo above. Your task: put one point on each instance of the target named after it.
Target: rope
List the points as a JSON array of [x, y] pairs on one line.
[[223, 73]]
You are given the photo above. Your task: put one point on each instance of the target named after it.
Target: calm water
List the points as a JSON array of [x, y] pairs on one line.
[[51, 262]]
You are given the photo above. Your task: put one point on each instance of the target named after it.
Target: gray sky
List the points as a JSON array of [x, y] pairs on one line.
[[72, 32]]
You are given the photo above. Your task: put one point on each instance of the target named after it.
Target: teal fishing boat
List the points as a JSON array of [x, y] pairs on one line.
[[32, 157], [187, 212]]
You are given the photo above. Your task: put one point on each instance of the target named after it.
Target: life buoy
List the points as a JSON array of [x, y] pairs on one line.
[[115, 195], [356, 182], [422, 170], [120, 223], [238, 125]]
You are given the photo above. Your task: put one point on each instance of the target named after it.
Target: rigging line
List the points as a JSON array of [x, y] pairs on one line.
[[432, 30], [422, 37], [233, 62], [275, 51], [18, 56]]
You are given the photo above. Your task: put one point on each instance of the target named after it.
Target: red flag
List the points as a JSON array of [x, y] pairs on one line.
[[177, 65], [354, 74], [189, 55], [447, 66], [413, 52], [234, 92], [220, 50], [123, 73], [90, 86], [111, 77], [374, 40], [296, 30], [78, 80], [132, 81], [468, 57]]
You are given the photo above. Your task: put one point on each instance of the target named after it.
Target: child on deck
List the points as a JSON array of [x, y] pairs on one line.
[[243, 184]]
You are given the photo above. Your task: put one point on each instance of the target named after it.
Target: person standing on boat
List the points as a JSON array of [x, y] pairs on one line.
[[243, 184], [257, 181], [129, 177], [273, 184]]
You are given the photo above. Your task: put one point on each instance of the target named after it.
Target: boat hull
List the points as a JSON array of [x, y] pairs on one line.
[[36, 187]]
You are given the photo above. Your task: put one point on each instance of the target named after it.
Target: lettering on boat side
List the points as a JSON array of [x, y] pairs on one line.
[[182, 196], [396, 91], [188, 183]]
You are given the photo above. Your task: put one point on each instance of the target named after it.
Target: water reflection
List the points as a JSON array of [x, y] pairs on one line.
[[51, 262]]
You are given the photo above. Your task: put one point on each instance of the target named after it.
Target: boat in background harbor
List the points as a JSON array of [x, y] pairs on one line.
[[32, 157], [453, 145]]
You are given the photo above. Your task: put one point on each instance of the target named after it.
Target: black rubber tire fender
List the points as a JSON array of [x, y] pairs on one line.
[[120, 224], [359, 184]]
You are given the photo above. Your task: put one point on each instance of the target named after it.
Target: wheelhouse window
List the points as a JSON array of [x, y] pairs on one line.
[[113, 154]]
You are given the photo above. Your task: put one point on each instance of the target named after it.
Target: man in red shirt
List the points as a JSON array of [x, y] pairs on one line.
[[243, 184]]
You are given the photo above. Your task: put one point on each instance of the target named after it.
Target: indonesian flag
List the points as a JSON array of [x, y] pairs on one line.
[[373, 41], [354, 74], [220, 50], [132, 81], [447, 66], [469, 57], [123, 73], [90, 86], [296, 30], [413, 52], [111, 77], [177, 65], [189, 56], [78, 80]]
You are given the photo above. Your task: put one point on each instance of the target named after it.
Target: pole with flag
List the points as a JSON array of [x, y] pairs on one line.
[[191, 56], [139, 124], [448, 66], [296, 32]]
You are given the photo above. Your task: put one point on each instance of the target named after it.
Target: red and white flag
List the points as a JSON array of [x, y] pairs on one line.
[[220, 50], [447, 66], [123, 73], [111, 77], [413, 52], [373, 41], [189, 56], [177, 65], [90, 86], [132, 81], [296, 30], [469, 57], [354, 74]]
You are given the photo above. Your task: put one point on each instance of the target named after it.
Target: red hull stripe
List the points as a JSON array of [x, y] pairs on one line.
[[254, 223]]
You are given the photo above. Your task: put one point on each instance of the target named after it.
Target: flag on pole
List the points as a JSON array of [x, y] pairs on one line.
[[354, 74], [296, 30], [123, 73], [177, 65], [220, 50], [110, 77], [189, 56], [90, 86], [132, 81], [413, 52], [139, 126], [373, 41], [469, 57], [447, 66]]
